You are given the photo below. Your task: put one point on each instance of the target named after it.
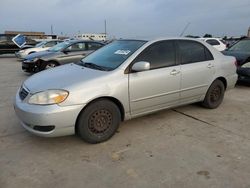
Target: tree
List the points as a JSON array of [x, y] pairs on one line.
[[207, 35]]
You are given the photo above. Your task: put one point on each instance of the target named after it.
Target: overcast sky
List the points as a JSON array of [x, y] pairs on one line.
[[127, 18]]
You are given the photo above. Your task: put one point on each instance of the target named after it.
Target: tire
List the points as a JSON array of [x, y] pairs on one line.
[[98, 121], [214, 95], [48, 65]]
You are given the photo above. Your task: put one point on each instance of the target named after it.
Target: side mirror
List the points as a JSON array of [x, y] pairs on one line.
[[141, 66], [66, 51]]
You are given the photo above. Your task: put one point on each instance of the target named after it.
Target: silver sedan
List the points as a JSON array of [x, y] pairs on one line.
[[123, 80]]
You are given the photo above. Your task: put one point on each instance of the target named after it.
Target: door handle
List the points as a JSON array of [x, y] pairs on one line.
[[210, 66], [174, 72]]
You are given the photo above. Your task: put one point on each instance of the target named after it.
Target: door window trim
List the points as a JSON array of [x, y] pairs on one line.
[[128, 70], [205, 49]]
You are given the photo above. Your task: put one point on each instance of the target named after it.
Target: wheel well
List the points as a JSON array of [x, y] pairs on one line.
[[224, 81], [114, 100], [32, 52], [53, 61], [43, 61]]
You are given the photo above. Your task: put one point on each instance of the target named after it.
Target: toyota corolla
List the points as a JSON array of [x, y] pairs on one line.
[[123, 80]]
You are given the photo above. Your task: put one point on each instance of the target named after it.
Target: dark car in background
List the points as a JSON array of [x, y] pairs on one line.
[[62, 53], [241, 51], [7, 46]]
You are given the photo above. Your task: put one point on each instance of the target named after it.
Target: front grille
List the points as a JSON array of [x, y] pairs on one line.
[[23, 93]]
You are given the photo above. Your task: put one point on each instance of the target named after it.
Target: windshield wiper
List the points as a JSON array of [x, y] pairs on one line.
[[95, 66]]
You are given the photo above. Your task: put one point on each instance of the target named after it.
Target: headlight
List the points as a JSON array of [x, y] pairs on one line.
[[34, 60], [48, 97], [30, 60]]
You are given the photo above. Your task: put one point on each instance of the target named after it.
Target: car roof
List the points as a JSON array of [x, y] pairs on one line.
[[76, 40], [160, 39], [206, 38]]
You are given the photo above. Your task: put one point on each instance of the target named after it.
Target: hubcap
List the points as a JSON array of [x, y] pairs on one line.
[[100, 121], [50, 65], [215, 94]]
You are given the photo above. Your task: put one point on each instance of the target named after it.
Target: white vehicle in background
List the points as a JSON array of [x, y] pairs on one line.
[[42, 46], [216, 43]]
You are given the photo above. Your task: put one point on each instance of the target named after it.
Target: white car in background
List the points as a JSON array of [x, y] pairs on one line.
[[42, 46], [216, 43]]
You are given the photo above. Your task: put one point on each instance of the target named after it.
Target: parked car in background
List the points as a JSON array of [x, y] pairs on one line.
[[42, 46], [7, 46], [123, 80], [216, 43], [241, 50], [62, 53]]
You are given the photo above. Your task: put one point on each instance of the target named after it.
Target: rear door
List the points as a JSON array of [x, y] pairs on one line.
[[197, 68], [158, 87]]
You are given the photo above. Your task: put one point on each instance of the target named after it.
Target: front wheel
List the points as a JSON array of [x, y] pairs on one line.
[[49, 65], [215, 95], [99, 121]]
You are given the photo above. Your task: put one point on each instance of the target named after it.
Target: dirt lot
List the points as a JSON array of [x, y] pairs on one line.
[[184, 147]]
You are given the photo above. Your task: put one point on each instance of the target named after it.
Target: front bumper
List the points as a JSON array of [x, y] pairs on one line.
[[31, 66], [244, 74], [47, 120], [28, 67]]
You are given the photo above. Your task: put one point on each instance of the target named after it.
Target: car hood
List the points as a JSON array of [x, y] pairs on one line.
[[62, 77], [240, 56], [40, 55]]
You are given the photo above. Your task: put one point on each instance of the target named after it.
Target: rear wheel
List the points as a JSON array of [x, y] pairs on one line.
[[215, 95], [99, 121]]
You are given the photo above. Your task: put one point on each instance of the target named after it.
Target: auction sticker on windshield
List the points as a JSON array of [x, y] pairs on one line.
[[122, 52]]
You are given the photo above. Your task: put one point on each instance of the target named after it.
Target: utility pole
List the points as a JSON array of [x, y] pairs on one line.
[[105, 27], [51, 29]]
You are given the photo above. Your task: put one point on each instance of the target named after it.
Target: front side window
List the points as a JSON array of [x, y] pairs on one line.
[[50, 44], [114, 54], [212, 42], [94, 46], [192, 52], [77, 47], [59, 46], [160, 54]]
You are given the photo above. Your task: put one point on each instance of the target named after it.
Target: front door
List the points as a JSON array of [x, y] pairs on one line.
[[158, 87]]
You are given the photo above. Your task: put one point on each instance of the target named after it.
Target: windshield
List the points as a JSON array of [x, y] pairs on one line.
[[40, 44], [114, 54], [243, 45], [59, 46]]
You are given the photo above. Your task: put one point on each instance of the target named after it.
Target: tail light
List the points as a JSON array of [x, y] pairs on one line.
[[236, 63]]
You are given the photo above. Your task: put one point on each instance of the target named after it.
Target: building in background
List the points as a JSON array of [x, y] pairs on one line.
[[248, 33], [38, 36], [92, 36]]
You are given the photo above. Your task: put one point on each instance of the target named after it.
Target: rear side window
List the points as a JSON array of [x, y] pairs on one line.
[[160, 54], [192, 52], [212, 42]]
